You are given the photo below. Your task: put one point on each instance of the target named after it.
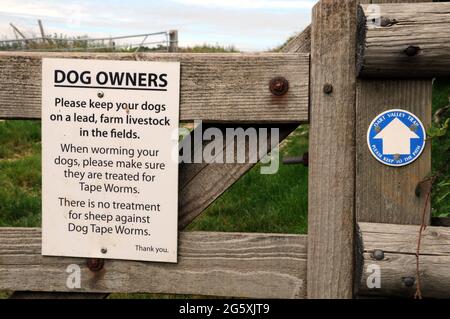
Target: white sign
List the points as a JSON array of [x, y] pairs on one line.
[[109, 182]]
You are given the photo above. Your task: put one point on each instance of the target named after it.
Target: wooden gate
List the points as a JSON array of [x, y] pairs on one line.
[[341, 74]]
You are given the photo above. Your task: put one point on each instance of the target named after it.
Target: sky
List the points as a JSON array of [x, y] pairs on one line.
[[249, 25]]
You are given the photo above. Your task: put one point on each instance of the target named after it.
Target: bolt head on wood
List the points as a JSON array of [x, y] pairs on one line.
[[412, 50], [327, 88], [279, 86], [378, 254], [95, 264], [409, 281]]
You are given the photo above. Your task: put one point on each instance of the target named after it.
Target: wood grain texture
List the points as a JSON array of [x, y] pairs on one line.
[[399, 245], [301, 43], [387, 194], [214, 87], [222, 264], [332, 132], [422, 25], [57, 295]]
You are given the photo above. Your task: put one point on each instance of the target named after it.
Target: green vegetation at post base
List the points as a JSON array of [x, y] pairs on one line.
[[441, 150]]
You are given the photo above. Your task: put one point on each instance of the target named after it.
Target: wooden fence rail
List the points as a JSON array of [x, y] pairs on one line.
[[398, 244], [233, 264], [411, 41], [214, 87], [220, 264]]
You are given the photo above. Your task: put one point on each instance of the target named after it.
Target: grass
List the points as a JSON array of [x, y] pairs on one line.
[[20, 173], [264, 203], [441, 153]]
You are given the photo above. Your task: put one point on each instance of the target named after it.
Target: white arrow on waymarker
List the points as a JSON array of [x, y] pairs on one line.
[[396, 138]]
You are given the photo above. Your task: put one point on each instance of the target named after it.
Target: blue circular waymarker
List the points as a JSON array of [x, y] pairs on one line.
[[396, 138]]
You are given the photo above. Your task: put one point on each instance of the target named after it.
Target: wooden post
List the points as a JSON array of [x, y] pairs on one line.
[[332, 150], [173, 41], [386, 194]]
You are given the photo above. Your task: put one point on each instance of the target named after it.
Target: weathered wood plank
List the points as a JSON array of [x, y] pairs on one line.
[[300, 43], [214, 87], [56, 295], [332, 180], [399, 244], [422, 27], [386, 194], [222, 264]]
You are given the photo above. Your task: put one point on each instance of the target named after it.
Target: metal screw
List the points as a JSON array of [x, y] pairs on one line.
[[95, 264], [279, 86], [396, 157], [377, 129], [412, 50], [104, 250], [409, 281], [327, 88], [100, 94], [378, 254]]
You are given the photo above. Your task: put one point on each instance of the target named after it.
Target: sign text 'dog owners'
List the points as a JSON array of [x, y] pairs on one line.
[[110, 182]]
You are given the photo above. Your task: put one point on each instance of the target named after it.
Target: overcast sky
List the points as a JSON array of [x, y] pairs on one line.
[[250, 25]]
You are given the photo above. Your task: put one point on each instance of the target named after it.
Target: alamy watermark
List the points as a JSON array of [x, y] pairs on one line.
[[229, 145]]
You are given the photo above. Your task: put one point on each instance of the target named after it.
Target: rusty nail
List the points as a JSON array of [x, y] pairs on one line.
[[104, 250], [378, 254], [95, 264], [412, 50], [100, 94], [327, 88], [408, 281], [279, 86]]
